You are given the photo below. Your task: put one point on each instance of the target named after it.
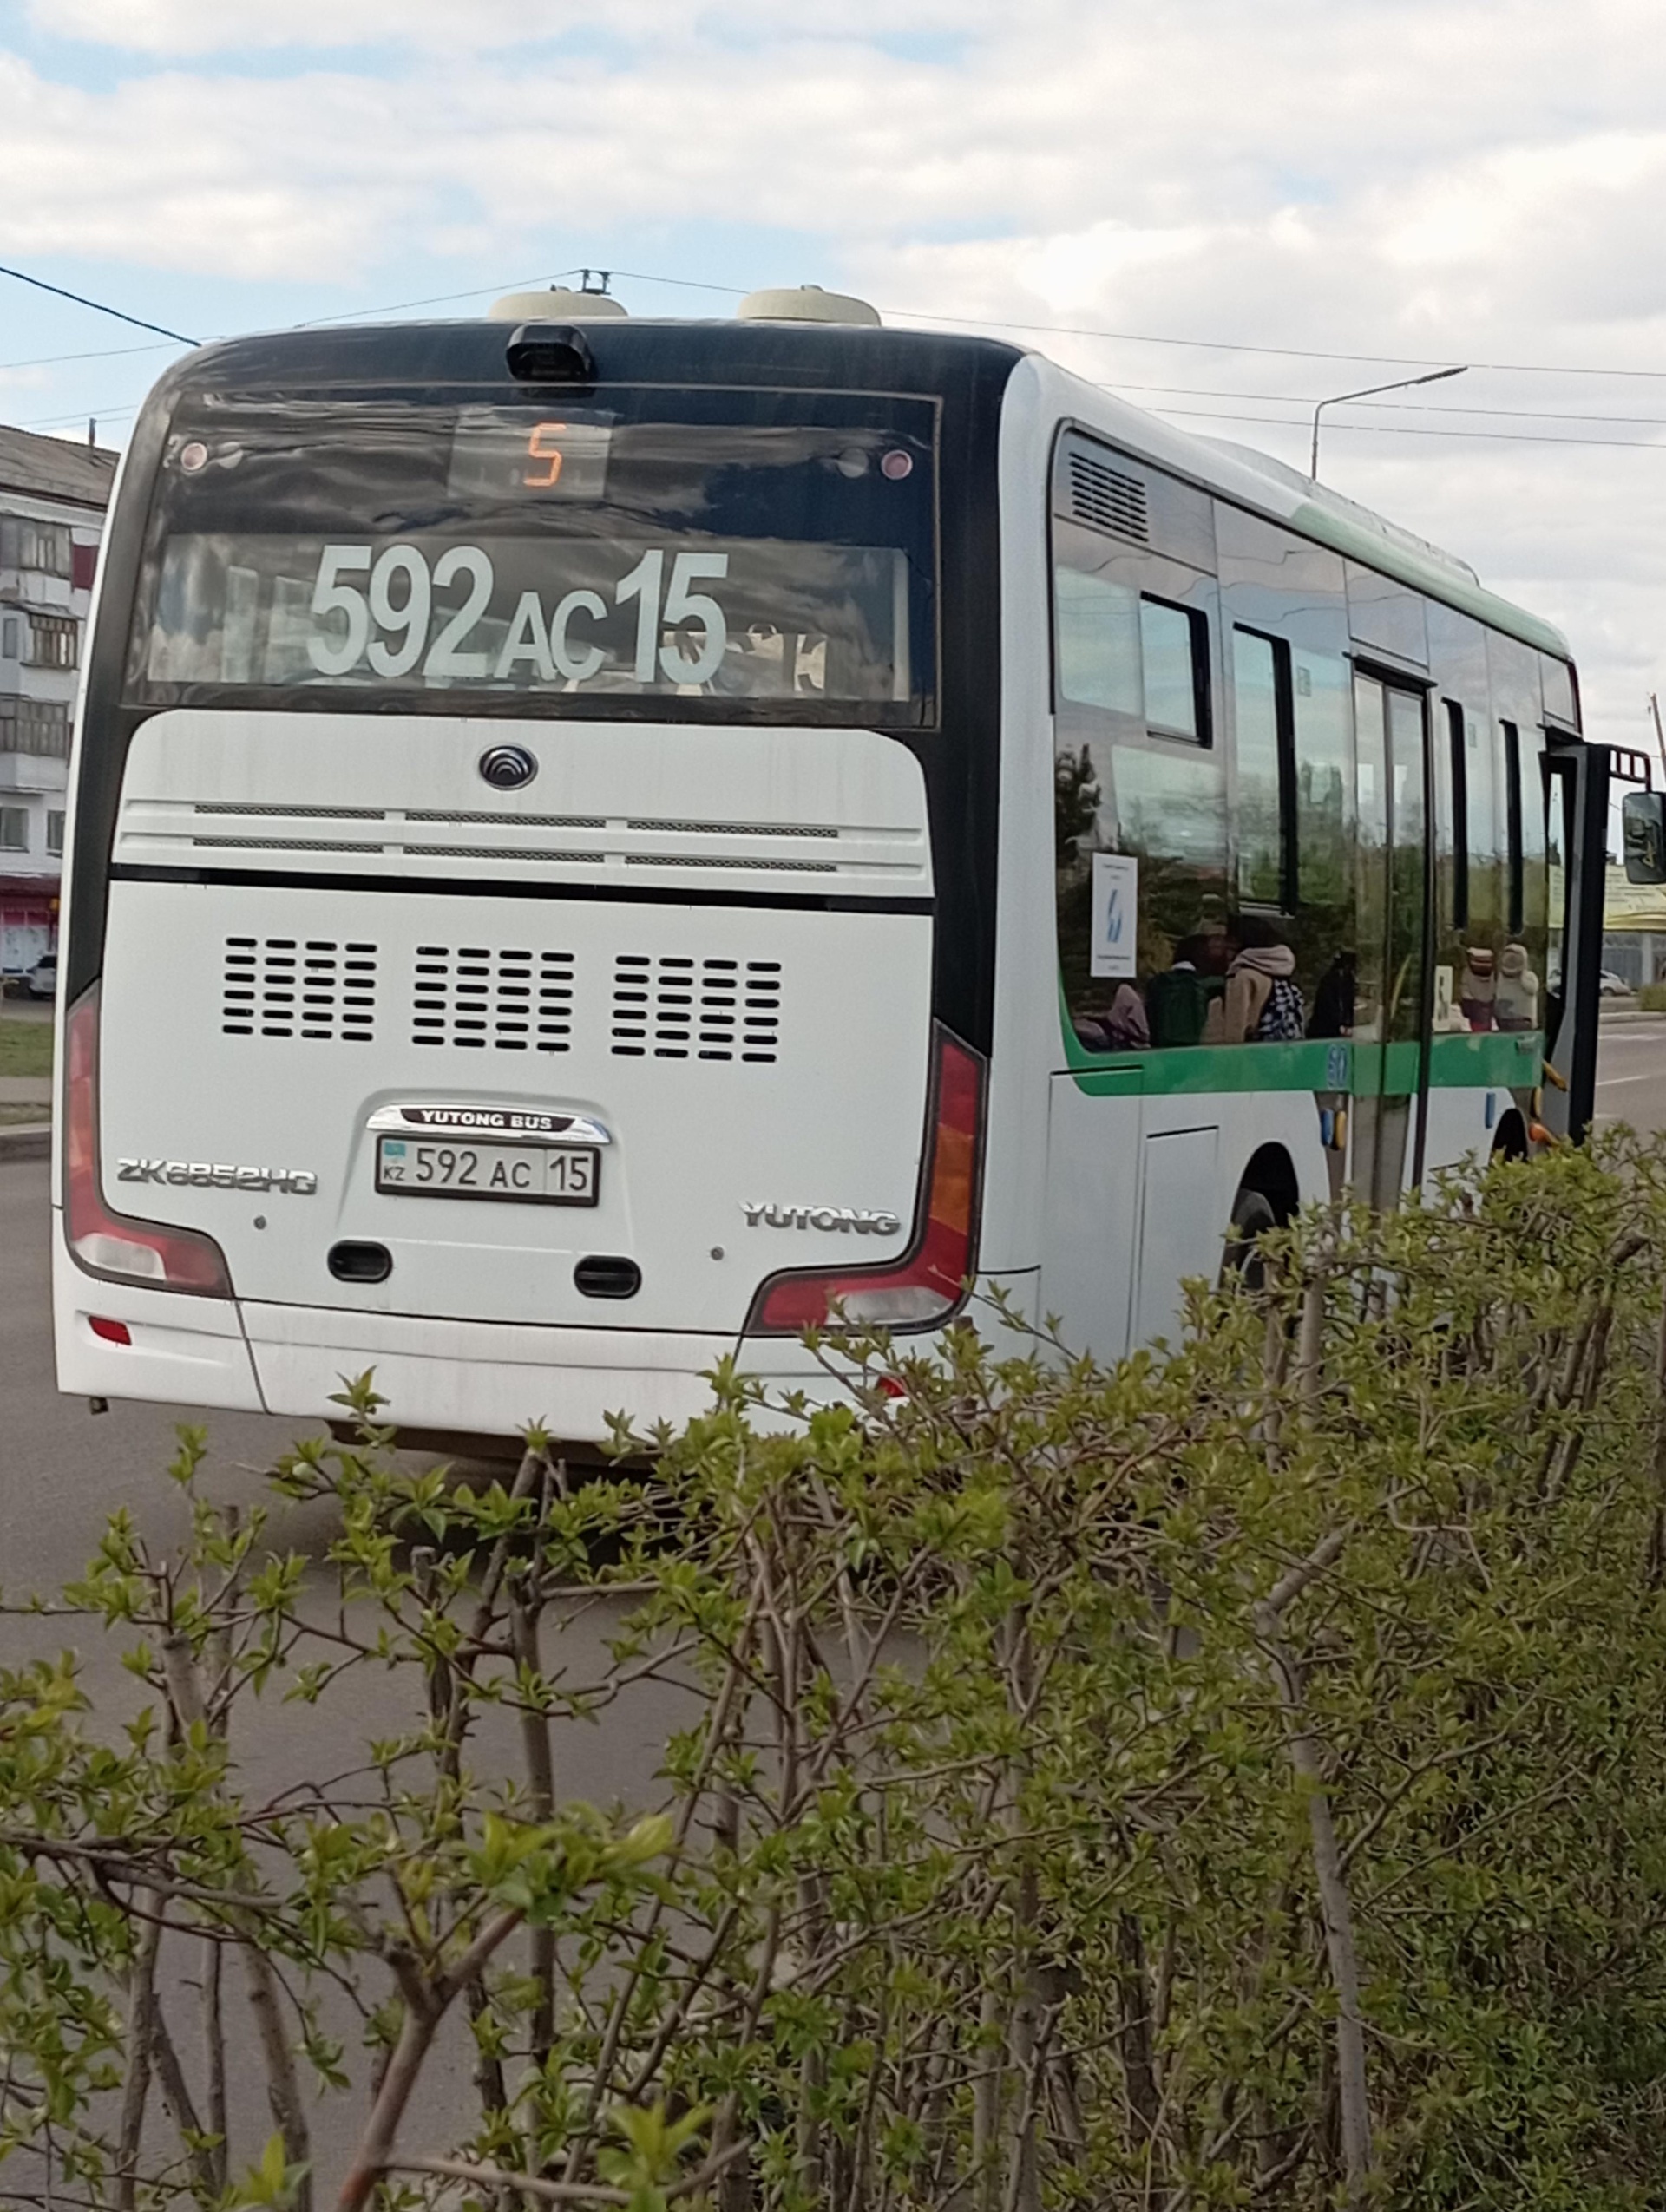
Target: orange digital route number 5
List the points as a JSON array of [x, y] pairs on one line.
[[543, 445]]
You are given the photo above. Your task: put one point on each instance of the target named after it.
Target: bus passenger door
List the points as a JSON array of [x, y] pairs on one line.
[[1576, 813], [1391, 1034]]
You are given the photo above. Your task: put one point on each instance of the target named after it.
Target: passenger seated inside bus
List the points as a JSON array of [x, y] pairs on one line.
[[1263, 1005]]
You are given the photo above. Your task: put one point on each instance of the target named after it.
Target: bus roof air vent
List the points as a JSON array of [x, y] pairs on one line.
[[550, 353], [555, 305], [804, 304]]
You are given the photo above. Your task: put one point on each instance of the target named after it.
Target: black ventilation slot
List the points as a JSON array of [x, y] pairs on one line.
[[671, 1007], [484, 998], [1106, 499], [359, 1263], [601, 1275], [315, 988]]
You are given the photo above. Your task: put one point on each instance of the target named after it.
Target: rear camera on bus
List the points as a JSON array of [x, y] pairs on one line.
[[896, 465], [193, 456]]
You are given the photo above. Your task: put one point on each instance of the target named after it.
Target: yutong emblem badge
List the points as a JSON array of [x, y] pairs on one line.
[[862, 1218], [507, 767]]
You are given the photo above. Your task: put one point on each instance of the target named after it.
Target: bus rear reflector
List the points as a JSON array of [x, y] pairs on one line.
[[111, 1245], [111, 1332], [923, 1290]]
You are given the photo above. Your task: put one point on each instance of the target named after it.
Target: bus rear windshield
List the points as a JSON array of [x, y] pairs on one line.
[[723, 555]]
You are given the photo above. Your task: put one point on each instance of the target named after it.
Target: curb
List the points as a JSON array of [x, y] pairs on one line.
[[32, 1141]]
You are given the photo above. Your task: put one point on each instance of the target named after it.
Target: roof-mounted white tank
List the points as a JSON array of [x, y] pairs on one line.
[[555, 305], [804, 304]]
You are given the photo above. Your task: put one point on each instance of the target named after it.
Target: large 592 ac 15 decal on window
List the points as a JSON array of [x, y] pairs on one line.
[[204, 1174]]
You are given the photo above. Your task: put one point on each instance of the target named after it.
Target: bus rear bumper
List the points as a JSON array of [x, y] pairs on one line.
[[459, 1378], [479, 1379]]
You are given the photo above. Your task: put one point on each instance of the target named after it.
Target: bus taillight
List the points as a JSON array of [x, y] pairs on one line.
[[108, 1244], [923, 1290]]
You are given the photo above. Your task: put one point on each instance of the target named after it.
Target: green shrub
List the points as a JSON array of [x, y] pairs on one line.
[[25, 1046], [1651, 998], [1232, 1779]]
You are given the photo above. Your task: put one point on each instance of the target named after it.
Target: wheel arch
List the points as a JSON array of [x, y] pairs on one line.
[[1271, 1170], [1510, 1138]]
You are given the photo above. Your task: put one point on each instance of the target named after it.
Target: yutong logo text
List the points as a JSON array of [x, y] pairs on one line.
[[206, 1175], [864, 1222]]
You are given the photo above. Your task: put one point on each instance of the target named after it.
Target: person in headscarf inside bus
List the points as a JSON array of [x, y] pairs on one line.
[[1263, 1005]]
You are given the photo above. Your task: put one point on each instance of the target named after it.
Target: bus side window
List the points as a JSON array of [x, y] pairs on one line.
[[1137, 776], [1515, 883], [1264, 758], [1174, 651], [1452, 819], [1487, 812], [1099, 641], [1529, 960]]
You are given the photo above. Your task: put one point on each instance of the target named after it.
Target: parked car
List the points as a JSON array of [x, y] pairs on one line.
[[42, 980]]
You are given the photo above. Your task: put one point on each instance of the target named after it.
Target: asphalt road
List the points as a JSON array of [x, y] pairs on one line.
[[1631, 1071]]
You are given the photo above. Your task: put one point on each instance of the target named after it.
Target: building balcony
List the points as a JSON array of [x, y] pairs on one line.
[[34, 773]]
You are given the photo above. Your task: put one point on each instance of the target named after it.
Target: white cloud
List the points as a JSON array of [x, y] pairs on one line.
[[1471, 180], [200, 27]]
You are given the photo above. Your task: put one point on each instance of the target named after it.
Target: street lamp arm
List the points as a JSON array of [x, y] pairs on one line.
[[1399, 384]]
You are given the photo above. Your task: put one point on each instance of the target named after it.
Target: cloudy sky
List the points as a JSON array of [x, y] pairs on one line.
[[1223, 208]]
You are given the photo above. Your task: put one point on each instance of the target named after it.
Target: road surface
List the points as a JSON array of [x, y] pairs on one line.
[[1631, 1071]]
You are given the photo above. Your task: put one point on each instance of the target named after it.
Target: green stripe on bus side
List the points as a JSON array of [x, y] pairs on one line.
[[1497, 1061], [1313, 1064], [1360, 1070]]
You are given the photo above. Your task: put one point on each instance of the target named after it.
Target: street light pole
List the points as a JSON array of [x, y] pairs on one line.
[[1403, 384]]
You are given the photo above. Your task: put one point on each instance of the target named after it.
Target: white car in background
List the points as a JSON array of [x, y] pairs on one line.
[[42, 980]]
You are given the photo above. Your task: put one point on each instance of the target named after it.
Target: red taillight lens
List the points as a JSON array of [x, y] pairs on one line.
[[108, 1244], [922, 1289]]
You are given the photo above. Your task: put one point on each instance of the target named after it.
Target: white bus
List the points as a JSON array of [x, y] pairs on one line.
[[593, 840]]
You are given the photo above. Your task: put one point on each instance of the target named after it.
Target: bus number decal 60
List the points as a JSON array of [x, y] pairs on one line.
[[397, 599]]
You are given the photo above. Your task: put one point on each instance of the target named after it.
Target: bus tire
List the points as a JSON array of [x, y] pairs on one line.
[[1509, 1139], [1253, 1214]]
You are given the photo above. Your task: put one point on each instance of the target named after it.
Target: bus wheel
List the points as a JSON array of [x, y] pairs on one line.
[[1253, 1214], [1511, 1142]]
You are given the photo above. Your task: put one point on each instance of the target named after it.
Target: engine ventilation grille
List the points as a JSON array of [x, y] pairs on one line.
[[672, 1007], [501, 1000], [309, 987], [1106, 498]]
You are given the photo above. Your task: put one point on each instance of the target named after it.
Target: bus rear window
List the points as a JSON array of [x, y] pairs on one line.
[[725, 555]]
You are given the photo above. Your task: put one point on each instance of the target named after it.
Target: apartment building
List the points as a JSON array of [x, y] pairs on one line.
[[53, 497]]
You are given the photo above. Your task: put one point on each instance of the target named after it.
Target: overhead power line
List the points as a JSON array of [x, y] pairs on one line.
[[1411, 430], [1391, 406], [435, 299], [1207, 345], [1286, 352], [1062, 329], [921, 315], [97, 305], [98, 353]]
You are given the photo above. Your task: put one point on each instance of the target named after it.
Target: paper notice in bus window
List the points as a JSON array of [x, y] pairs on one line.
[[1116, 908]]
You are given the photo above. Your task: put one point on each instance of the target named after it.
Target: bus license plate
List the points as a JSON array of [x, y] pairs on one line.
[[538, 1175]]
